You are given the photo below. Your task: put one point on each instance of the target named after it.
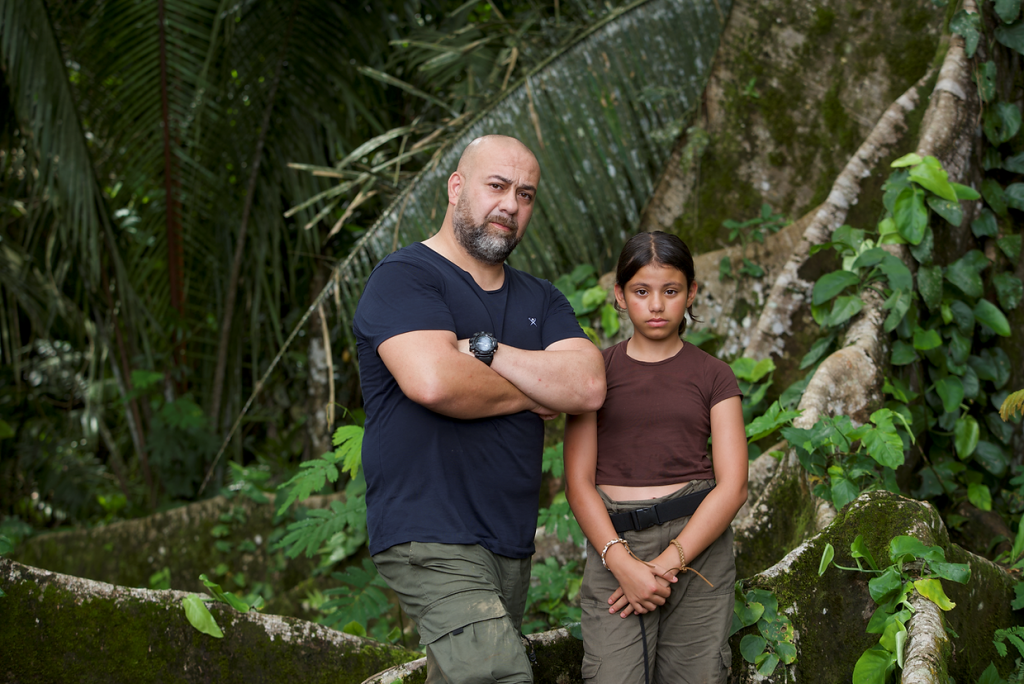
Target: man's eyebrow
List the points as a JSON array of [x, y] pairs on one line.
[[508, 181]]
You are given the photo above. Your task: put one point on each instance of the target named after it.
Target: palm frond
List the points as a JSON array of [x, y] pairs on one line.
[[600, 141]]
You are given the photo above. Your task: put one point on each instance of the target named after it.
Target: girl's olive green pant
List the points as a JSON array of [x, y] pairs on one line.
[[687, 638]]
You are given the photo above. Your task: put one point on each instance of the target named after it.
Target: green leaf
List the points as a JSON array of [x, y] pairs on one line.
[[911, 159], [354, 628], [768, 665], [965, 436], [951, 390], [1014, 195], [842, 490], [859, 549], [1010, 246], [786, 652], [898, 305], [922, 252], [985, 225], [967, 25], [885, 586], [988, 313], [1001, 122], [816, 351], [991, 675], [885, 447], [926, 339], [844, 309], [929, 283], [609, 320], [752, 646], [954, 572], [905, 548], [931, 176], [144, 379], [979, 495], [749, 613], [869, 257], [986, 75], [932, 590], [896, 271], [6, 431], [903, 353], [199, 616], [1008, 10], [911, 215], [962, 316], [961, 274], [826, 559], [831, 284], [750, 370], [1012, 36], [947, 209], [994, 195], [965, 192], [769, 422], [1014, 163], [873, 666], [1009, 290], [992, 457]]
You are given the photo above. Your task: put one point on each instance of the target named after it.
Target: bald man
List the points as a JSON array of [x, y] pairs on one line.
[[461, 358]]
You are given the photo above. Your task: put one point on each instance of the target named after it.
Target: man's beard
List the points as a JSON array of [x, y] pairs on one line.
[[481, 241]]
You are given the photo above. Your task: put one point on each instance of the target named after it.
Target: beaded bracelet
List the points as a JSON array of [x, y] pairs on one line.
[[609, 545]]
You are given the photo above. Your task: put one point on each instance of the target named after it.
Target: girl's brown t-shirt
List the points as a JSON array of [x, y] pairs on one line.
[[654, 426]]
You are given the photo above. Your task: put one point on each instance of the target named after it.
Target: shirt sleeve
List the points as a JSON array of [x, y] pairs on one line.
[[560, 322], [400, 297], [723, 383]]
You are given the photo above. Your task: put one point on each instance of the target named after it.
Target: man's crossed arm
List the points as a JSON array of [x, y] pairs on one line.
[[438, 371]]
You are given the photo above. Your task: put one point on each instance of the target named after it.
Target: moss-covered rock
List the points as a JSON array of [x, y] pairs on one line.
[[128, 553], [57, 628], [830, 612]]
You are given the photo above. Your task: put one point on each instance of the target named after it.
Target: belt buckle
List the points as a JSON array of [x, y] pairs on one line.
[[644, 517]]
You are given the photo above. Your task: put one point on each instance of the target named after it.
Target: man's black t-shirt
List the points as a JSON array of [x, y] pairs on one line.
[[431, 478]]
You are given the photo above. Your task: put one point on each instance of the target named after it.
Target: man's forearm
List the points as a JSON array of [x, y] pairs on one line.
[[568, 381]]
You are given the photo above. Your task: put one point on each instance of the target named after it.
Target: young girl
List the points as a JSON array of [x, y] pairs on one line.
[[654, 504]]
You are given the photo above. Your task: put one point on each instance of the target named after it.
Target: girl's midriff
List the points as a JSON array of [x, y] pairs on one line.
[[622, 493]]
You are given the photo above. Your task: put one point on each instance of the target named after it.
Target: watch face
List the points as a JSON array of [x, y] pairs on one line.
[[484, 344]]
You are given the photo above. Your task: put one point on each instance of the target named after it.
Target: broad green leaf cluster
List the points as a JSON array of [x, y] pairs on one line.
[[891, 589]]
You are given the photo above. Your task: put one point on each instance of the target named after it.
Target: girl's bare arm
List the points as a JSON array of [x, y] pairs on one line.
[[641, 586], [723, 502]]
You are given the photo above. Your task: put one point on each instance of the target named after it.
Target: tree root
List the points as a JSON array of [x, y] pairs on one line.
[[789, 290]]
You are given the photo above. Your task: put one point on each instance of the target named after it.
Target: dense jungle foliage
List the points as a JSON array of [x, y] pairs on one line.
[[133, 332]]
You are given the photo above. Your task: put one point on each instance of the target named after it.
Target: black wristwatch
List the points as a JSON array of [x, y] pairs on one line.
[[483, 345]]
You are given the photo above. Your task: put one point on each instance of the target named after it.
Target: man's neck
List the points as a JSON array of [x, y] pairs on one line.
[[487, 276]]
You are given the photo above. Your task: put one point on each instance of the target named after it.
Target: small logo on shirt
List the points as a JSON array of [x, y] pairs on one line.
[[533, 321]]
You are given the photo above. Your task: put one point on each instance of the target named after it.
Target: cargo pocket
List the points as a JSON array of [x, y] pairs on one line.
[[456, 612], [726, 662], [590, 667]]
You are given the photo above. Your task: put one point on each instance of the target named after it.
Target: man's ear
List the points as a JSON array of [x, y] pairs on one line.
[[455, 183]]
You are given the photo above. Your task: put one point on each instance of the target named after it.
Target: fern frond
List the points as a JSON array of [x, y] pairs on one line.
[[310, 533], [361, 599], [1012, 405], [311, 479], [349, 440]]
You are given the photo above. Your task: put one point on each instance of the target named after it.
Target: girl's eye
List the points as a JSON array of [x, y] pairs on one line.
[[671, 292], [641, 291]]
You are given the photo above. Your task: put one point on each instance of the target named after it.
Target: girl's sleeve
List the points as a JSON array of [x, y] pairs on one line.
[[723, 383]]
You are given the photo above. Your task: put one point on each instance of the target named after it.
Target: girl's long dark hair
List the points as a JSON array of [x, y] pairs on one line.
[[659, 248]]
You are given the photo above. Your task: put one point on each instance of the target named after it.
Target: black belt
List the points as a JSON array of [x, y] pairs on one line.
[[642, 518]]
